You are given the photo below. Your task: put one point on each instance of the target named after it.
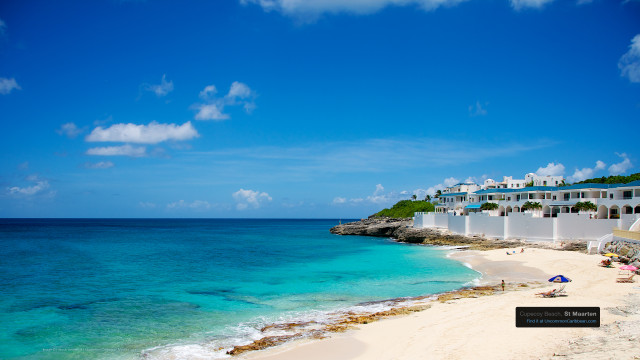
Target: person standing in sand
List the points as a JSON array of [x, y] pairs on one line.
[[502, 285]]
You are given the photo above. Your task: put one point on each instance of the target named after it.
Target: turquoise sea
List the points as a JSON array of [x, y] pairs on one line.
[[169, 288]]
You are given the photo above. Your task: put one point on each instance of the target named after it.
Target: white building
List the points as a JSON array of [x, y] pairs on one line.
[[612, 200], [556, 219], [546, 180]]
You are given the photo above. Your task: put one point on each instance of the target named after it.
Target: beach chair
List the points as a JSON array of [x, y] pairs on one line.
[[561, 291], [626, 280], [551, 293]]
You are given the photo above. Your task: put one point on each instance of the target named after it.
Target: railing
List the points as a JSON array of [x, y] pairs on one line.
[[633, 235]]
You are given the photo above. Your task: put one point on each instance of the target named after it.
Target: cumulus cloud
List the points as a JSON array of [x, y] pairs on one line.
[[195, 205], [8, 85], [629, 63], [552, 169], [240, 94], [586, 173], [162, 89], [477, 109], [378, 197], [124, 150], [339, 200], [451, 181], [208, 92], [39, 187], [70, 130], [621, 167], [311, 9], [143, 134], [522, 4], [211, 112], [250, 198], [99, 165]]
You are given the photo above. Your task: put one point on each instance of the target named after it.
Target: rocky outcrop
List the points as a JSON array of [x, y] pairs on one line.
[[402, 231], [629, 252]]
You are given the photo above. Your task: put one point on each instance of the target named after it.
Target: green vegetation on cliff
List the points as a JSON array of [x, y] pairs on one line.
[[616, 179], [406, 208]]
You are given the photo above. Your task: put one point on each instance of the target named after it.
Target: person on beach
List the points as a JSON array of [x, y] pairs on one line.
[[521, 250], [502, 285]]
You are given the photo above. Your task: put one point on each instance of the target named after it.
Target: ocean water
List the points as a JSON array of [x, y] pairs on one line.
[[163, 288]]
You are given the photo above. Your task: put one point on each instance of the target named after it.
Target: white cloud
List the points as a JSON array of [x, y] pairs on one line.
[[378, 197], [451, 181], [143, 134], [339, 200], [8, 85], [162, 89], [246, 198], [39, 186], [99, 165], [552, 169], [239, 90], [239, 94], [629, 63], [621, 167], [470, 179], [448, 182], [69, 129], [195, 205], [311, 9], [211, 112], [586, 173], [124, 150], [477, 109], [208, 91], [521, 4]]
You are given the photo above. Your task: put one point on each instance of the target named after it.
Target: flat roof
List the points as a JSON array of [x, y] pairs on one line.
[[454, 194]]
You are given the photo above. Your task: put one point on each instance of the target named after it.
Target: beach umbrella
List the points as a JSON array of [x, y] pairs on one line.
[[610, 255], [628, 267], [559, 279]]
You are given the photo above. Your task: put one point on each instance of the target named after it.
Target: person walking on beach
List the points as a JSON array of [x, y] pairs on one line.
[[502, 285]]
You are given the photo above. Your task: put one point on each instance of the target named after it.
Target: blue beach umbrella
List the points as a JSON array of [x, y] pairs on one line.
[[559, 279]]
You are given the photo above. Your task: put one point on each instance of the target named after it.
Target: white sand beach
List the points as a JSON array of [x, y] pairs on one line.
[[484, 327]]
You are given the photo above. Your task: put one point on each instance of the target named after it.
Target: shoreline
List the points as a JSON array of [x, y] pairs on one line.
[[472, 326]]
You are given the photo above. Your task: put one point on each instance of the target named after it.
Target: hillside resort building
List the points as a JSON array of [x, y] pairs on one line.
[[557, 218]]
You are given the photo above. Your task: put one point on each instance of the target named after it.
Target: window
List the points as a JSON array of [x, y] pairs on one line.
[[566, 196], [554, 197], [611, 196], [627, 195], [544, 183]]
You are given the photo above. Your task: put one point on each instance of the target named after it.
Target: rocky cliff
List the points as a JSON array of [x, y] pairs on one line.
[[401, 230]]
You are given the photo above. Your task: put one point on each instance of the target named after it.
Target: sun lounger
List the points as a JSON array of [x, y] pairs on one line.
[[551, 293], [561, 291], [626, 280]]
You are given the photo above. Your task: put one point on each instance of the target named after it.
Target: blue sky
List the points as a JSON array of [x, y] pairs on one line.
[[324, 108]]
